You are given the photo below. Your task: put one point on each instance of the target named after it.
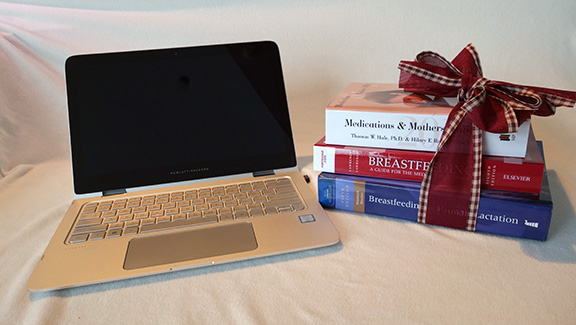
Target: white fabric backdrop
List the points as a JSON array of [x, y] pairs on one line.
[[384, 270]]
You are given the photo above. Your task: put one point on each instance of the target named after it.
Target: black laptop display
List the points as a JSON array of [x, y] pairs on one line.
[[190, 114]]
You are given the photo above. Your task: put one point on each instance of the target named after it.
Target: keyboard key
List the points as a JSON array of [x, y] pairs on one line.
[[162, 200], [133, 223], [244, 188], [141, 215], [242, 215], [78, 238], [180, 216], [193, 215], [284, 209], [104, 208], [226, 217], [139, 209], [118, 206], [277, 203], [97, 235], [88, 222], [147, 202], [130, 231], [155, 207], [109, 214], [245, 201], [268, 192], [280, 196], [258, 186], [197, 201], [191, 196], [254, 193], [256, 213], [124, 211], [89, 229], [110, 220], [163, 219], [204, 193], [216, 205], [254, 206], [171, 211], [241, 195], [90, 215], [170, 205], [285, 189], [225, 210], [126, 217], [117, 225], [114, 233], [232, 189], [240, 208], [187, 209], [184, 203], [148, 221], [231, 203], [89, 208], [218, 192], [133, 204]]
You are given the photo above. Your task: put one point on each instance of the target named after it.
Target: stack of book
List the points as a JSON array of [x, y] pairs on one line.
[[380, 140]]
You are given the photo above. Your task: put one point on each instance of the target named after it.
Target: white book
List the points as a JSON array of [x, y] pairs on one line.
[[383, 116]]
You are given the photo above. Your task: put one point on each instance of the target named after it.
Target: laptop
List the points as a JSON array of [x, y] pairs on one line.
[[181, 158]]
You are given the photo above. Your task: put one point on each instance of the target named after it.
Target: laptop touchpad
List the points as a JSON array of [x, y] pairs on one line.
[[189, 245]]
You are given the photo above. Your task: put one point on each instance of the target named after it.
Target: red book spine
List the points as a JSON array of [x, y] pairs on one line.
[[499, 173]]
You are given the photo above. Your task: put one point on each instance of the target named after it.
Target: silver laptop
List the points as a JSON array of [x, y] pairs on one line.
[[181, 158]]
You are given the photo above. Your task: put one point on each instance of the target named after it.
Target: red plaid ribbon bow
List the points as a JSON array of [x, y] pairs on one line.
[[451, 199]]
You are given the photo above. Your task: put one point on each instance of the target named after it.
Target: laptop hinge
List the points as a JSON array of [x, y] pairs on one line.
[[263, 173], [114, 192]]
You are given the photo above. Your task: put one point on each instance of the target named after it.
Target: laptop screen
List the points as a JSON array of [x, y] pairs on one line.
[[157, 116]]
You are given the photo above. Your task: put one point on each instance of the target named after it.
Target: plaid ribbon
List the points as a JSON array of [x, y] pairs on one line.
[[450, 198]]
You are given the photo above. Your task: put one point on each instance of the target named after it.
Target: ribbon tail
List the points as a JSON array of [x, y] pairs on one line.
[[450, 191], [564, 97]]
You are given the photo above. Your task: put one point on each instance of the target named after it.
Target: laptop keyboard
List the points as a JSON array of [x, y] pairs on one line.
[[150, 213]]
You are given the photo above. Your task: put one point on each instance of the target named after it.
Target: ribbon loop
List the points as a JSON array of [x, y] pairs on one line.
[[451, 199]]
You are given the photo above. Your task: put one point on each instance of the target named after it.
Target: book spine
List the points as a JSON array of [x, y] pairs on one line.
[[497, 173], [419, 132], [399, 199]]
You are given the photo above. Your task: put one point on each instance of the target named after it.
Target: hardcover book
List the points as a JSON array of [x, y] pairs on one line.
[[499, 212], [383, 116], [501, 173]]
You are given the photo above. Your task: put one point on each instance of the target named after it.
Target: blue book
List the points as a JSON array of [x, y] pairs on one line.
[[499, 212]]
